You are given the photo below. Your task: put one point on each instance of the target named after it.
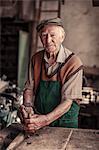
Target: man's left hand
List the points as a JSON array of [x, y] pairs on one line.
[[35, 122]]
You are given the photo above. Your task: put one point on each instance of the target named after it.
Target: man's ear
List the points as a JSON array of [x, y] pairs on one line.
[[62, 36]]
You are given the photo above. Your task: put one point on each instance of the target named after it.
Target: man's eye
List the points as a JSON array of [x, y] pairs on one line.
[[43, 35], [52, 35]]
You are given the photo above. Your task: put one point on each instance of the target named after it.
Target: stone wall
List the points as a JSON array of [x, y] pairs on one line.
[[81, 22]]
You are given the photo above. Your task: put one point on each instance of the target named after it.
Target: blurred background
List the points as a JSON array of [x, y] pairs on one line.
[[19, 41]]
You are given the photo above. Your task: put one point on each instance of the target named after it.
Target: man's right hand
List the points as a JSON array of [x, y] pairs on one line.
[[25, 112]]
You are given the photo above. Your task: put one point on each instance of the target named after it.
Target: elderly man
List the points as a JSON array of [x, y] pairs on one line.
[[55, 79]]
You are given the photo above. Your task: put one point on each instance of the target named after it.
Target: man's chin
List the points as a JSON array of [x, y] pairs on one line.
[[50, 50]]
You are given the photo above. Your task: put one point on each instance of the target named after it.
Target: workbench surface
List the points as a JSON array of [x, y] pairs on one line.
[[53, 138]]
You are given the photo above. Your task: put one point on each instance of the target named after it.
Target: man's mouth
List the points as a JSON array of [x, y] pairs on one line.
[[48, 46]]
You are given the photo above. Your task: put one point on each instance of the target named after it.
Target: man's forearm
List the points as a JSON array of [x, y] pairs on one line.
[[27, 96], [59, 111]]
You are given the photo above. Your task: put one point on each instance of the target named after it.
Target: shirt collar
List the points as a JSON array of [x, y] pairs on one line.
[[63, 54]]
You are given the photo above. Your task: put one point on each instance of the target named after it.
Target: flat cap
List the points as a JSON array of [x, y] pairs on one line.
[[53, 21]]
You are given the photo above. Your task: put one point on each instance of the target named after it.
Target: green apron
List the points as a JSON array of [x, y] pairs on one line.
[[48, 97]]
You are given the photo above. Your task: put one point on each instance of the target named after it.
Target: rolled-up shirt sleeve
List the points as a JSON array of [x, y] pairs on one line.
[[72, 89]]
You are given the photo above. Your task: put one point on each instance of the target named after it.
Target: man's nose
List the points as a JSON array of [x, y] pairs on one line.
[[48, 40]]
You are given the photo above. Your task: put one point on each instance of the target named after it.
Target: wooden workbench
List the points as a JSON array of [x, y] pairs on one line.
[[53, 138]]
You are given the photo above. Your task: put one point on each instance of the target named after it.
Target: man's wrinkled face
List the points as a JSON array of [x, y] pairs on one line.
[[52, 37]]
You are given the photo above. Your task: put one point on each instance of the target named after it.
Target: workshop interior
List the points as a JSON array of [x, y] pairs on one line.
[[19, 41]]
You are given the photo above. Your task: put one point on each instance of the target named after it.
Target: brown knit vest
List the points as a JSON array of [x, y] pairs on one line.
[[71, 66]]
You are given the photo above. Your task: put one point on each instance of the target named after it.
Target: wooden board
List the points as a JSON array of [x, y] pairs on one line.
[[84, 140], [61, 139], [47, 138], [55, 138], [8, 134]]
